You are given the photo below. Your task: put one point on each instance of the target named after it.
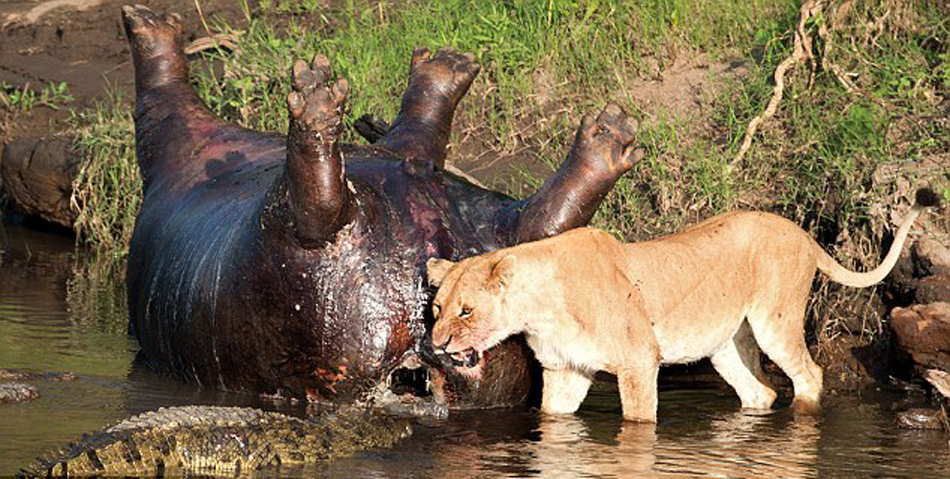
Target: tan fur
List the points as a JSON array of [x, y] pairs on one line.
[[587, 302]]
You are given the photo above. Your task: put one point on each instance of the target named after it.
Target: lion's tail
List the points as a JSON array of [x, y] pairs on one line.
[[839, 274]]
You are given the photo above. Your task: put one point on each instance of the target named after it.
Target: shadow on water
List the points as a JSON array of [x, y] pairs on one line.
[[61, 312]]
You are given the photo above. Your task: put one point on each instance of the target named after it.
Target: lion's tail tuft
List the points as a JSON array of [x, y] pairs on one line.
[[927, 197]]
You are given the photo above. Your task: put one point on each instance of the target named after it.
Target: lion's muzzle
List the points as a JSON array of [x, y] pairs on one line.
[[466, 358]]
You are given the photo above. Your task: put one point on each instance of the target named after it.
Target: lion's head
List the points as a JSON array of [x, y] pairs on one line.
[[470, 307]]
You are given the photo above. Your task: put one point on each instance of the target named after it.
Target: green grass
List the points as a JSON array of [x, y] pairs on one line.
[[53, 95], [590, 48], [545, 63], [107, 190]]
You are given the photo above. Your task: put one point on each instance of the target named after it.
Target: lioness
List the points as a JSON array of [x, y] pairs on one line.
[[587, 302]]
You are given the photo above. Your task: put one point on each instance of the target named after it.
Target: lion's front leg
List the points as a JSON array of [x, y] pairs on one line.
[[638, 394], [564, 390]]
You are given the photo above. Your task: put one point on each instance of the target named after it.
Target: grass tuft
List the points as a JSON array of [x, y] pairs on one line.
[[107, 190]]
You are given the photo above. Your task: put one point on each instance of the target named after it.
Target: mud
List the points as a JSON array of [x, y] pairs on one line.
[[79, 42]]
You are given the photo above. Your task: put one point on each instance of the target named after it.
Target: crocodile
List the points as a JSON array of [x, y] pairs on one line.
[[217, 440]]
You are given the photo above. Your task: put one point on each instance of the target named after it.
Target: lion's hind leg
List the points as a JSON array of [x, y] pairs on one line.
[[781, 334], [739, 364], [564, 390]]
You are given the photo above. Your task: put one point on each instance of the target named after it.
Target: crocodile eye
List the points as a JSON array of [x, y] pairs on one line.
[[466, 312]]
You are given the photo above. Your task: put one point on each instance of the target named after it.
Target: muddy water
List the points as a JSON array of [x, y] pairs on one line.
[[60, 313]]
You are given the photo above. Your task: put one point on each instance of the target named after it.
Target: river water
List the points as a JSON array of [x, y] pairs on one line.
[[60, 312]]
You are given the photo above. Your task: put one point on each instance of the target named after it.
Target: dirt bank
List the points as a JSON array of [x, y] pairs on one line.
[[81, 43]]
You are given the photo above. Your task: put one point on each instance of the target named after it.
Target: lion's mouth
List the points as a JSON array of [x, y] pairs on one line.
[[467, 358]]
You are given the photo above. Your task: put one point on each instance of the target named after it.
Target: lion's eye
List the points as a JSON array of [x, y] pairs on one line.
[[466, 312], [436, 309]]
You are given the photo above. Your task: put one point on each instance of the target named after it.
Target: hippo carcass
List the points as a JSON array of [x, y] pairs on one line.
[[293, 264]]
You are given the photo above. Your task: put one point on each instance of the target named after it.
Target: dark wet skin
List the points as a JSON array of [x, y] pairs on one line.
[[294, 265]]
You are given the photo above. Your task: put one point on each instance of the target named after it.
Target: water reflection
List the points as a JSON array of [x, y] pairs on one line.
[[855, 450], [568, 448], [38, 334], [58, 314], [735, 444], [740, 443], [700, 433], [62, 311]]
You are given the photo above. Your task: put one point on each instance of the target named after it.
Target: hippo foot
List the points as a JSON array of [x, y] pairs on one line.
[[318, 198], [448, 72], [604, 145], [436, 86], [316, 106], [602, 152], [150, 32], [156, 49]]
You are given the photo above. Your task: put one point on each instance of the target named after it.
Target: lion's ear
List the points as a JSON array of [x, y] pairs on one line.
[[504, 270], [436, 269]]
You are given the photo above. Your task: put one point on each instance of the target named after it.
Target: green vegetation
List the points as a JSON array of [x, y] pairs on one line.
[[825, 143], [857, 129], [107, 190], [53, 95], [590, 50]]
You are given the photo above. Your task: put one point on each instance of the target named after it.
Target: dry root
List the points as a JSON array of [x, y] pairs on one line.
[[227, 41], [801, 52]]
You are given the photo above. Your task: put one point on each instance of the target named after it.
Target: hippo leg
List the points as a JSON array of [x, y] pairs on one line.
[[312, 195], [156, 48], [436, 85], [174, 128], [602, 152]]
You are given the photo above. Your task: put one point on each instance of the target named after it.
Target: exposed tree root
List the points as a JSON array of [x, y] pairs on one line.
[[825, 34], [227, 41], [802, 51]]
